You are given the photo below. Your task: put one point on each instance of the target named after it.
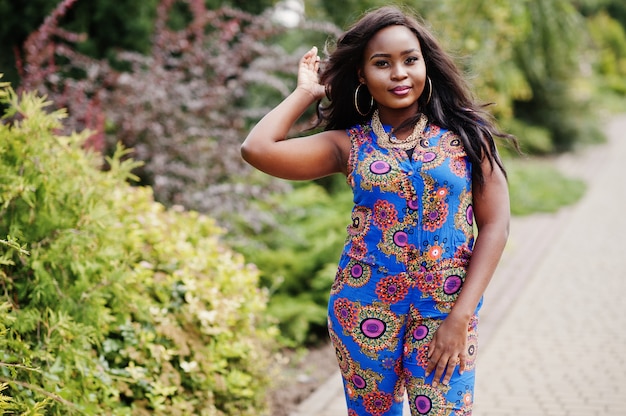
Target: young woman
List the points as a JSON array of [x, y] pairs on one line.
[[420, 156]]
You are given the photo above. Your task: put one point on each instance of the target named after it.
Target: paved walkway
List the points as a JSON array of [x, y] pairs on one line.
[[553, 326]]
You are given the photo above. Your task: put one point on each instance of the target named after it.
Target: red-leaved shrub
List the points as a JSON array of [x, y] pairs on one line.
[[184, 109]]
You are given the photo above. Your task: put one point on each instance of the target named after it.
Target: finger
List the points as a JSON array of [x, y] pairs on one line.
[[462, 363], [432, 365], [449, 371], [432, 361], [440, 369], [309, 55]]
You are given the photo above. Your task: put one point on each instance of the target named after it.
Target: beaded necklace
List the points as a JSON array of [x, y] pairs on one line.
[[389, 140]]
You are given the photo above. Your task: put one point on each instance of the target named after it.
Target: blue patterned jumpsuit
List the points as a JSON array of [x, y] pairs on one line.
[[401, 270]]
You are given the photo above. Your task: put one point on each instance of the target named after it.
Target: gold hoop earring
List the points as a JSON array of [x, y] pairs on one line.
[[430, 90], [356, 102]]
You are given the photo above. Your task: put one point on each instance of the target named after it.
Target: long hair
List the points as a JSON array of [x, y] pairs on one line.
[[451, 105]]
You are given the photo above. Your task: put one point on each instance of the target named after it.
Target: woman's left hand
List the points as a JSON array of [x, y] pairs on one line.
[[447, 349]]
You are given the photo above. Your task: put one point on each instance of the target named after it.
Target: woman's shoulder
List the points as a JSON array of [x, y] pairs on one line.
[[338, 136], [340, 139]]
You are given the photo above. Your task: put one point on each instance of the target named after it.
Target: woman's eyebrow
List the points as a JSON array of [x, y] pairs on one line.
[[387, 55]]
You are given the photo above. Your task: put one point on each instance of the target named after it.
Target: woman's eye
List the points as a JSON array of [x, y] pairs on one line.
[[380, 63], [412, 60]]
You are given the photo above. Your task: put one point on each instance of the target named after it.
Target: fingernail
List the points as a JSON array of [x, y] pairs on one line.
[[435, 384]]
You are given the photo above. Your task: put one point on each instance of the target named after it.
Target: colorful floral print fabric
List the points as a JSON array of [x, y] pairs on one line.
[[402, 268]]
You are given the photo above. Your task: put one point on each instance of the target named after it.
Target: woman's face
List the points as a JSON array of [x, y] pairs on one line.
[[394, 70]]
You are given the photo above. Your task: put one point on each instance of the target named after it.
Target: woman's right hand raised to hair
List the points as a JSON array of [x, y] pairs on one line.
[[313, 156], [308, 74]]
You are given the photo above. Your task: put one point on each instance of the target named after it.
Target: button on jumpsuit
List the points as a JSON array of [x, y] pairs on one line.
[[401, 270]]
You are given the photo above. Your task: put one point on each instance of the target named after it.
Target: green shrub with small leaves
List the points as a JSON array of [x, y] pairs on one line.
[[298, 257], [111, 303], [609, 40]]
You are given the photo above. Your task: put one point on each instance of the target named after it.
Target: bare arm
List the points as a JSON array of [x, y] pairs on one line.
[[492, 214], [267, 149]]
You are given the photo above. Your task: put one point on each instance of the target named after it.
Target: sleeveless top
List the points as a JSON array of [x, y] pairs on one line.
[[412, 216]]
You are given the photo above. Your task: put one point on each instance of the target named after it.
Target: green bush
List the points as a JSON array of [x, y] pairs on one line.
[[113, 304], [298, 257], [609, 42], [538, 186]]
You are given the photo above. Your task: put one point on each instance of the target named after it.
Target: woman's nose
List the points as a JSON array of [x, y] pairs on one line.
[[398, 72]]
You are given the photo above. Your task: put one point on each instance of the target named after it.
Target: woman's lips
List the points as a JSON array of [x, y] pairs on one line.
[[401, 90]]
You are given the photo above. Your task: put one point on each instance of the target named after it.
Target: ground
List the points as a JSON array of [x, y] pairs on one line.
[[298, 375]]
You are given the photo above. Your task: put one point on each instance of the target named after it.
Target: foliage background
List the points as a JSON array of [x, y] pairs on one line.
[[181, 82], [111, 303]]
